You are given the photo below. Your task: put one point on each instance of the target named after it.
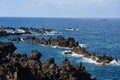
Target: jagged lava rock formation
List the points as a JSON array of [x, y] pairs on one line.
[[59, 41], [22, 67], [70, 42]]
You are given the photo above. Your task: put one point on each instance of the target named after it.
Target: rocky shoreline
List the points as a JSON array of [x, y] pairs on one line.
[[7, 31], [75, 48], [22, 67], [59, 41]]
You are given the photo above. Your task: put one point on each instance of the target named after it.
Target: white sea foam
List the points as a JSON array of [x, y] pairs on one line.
[[89, 60], [72, 29], [22, 40], [82, 45], [52, 33], [60, 47], [9, 31], [20, 31], [43, 45], [76, 55], [115, 63], [86, 60], [65, 51], [54, 46], [73, 54]]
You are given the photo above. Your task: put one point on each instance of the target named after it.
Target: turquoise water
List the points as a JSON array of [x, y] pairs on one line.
[[98, 36]]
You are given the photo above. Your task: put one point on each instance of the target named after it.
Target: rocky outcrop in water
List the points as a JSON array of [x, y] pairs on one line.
[[71, 43], [23, 67], [7, 31], [98, 58], [41, 30], [58, 41]]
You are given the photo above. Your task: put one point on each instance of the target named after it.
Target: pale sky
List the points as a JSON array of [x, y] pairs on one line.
[[60, 8]]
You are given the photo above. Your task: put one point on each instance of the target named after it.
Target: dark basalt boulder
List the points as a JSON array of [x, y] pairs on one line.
[[50, 69], [75, 73], [65, 66], [43, 41], [35, 55], [3, 33], [6, 48], [68, 52]]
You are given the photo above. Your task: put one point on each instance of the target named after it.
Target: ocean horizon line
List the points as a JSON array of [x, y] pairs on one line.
[[61, 17]]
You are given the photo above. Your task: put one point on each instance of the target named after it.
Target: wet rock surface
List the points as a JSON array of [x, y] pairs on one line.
[[23, 67]]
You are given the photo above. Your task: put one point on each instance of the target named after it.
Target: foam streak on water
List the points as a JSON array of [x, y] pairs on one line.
[[115, 63], [86, 60], [82, 45]]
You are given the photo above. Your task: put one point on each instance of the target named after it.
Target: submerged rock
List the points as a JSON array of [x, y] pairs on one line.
[[23, 67]]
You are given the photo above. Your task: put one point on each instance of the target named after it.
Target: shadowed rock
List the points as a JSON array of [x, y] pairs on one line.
[[23, 67], [6, 48]]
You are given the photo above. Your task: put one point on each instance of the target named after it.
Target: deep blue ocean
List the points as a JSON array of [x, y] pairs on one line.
[[100, 36]]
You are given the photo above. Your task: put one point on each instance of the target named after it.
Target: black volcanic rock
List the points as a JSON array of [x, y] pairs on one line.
[[70, 42], [23, 67], [3, 33], [98, 58], [35, 55], [58, 41], [6, 48]]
